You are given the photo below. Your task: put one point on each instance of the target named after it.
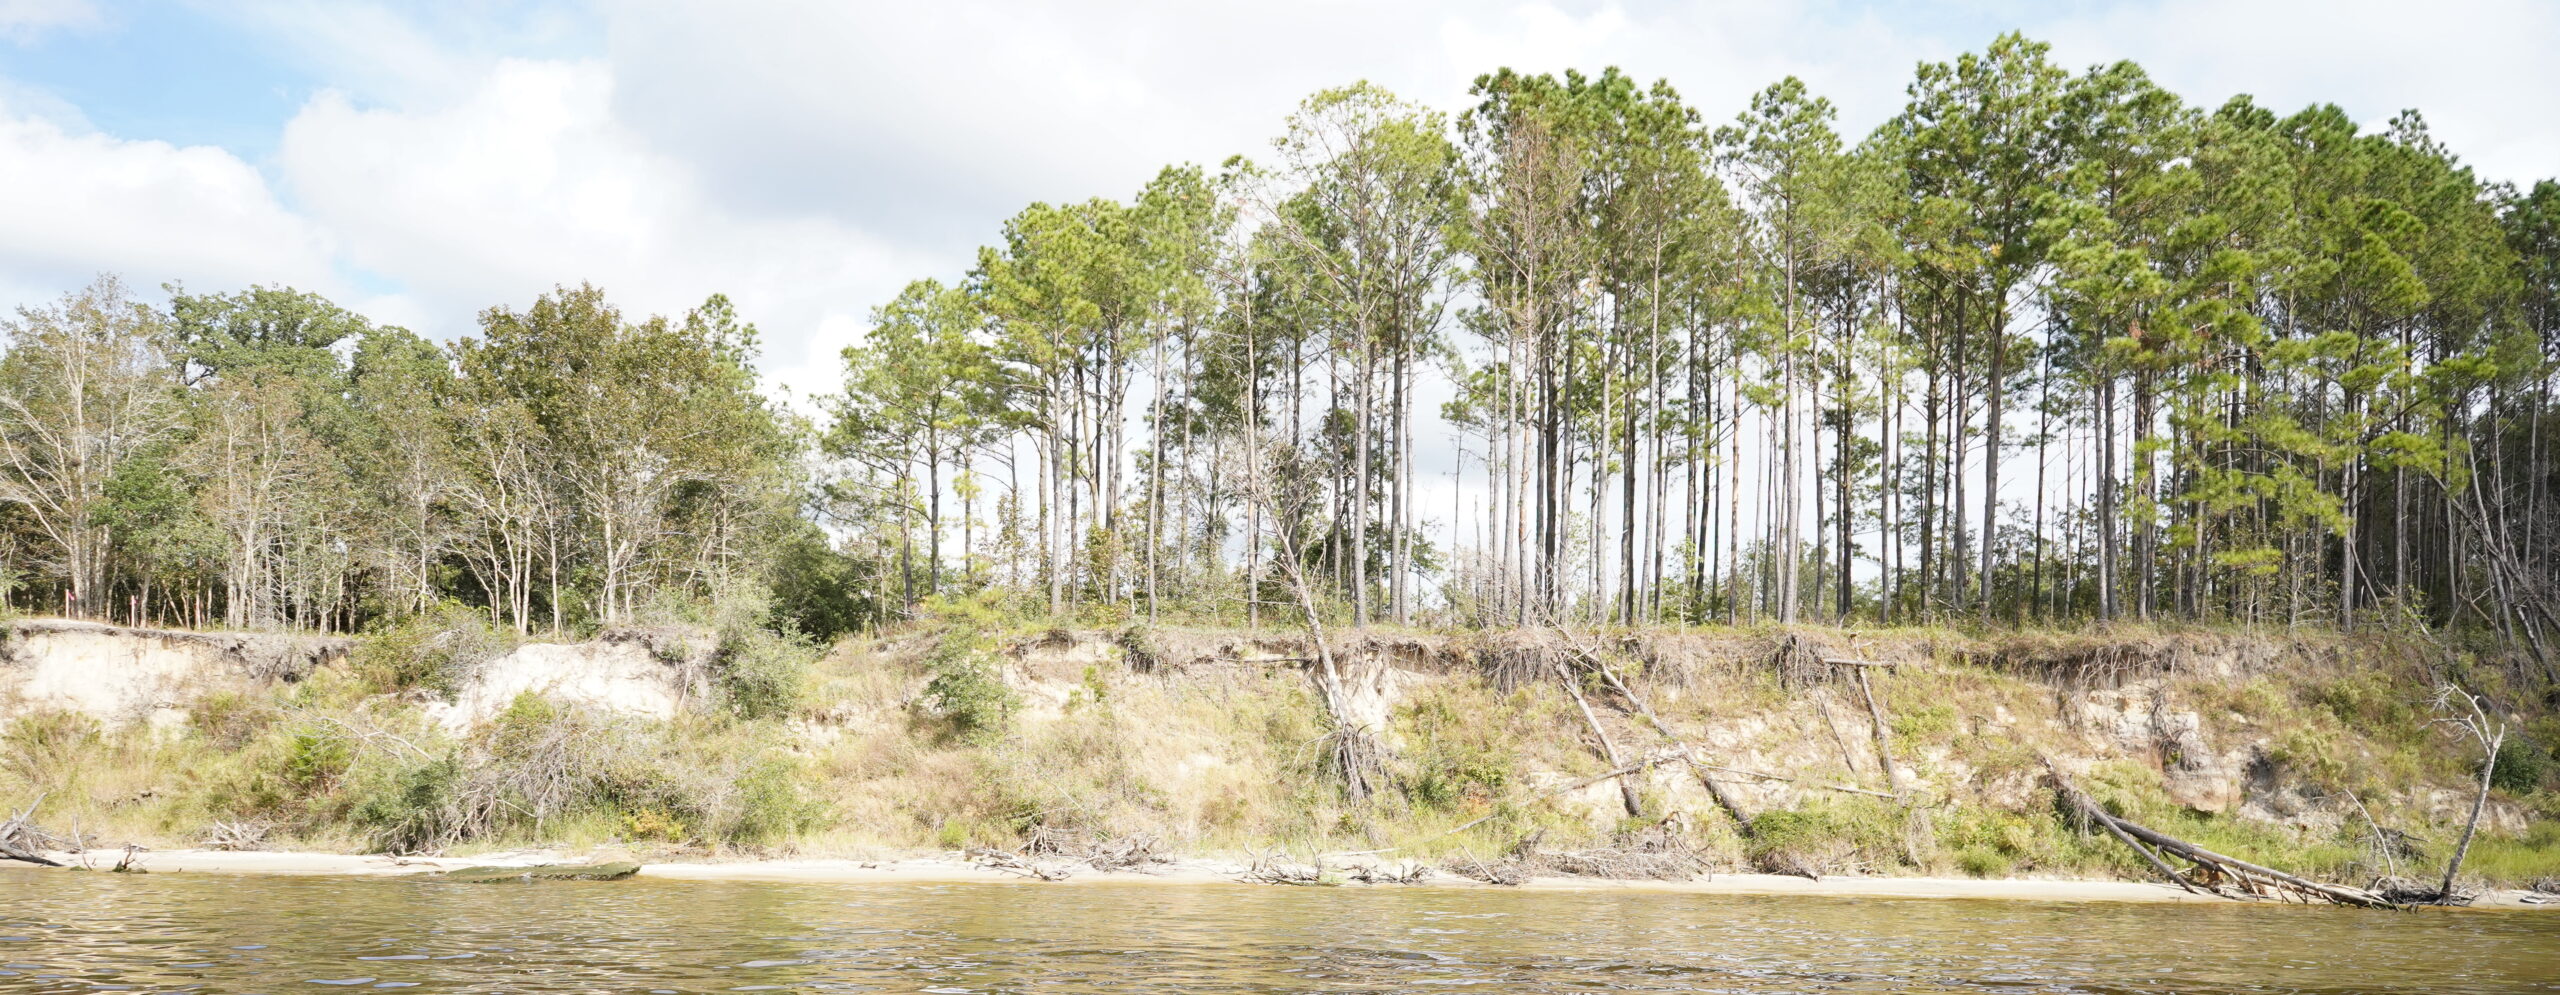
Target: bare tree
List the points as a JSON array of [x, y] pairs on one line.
[[84, 387], [1356, 752], [2460, 710]]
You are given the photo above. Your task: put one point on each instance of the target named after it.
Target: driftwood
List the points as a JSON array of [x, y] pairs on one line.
[[21, 840], [1130, 852], [1272, 870], [1015, 863], [2213, 873]]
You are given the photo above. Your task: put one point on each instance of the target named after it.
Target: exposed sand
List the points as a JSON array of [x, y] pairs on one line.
[[950, 870]]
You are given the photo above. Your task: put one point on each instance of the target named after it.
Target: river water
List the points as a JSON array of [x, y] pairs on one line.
[[85, 932]]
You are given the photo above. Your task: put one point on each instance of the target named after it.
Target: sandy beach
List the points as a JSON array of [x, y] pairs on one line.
[[953, 869]]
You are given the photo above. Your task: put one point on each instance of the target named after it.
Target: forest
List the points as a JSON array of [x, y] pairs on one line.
[[2047, 347]]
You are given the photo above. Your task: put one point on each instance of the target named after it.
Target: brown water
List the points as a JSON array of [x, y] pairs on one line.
[[83, 932]]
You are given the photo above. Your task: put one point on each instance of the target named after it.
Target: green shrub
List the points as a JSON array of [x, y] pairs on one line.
[[1826, 834], [967, 689], [1983, 862], [2522, 765], [541, 768], [761, 674], [759, 665], [1927, 723], [415, 806], [229, 719], [434, 650], [770, 804], [1455, 761], [2368, 699], [316, 758]]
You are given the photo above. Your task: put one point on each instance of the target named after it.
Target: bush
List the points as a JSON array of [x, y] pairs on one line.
[[416, 807], [230, 719], [1982, 862], [769, 804], [757, 672], [2522, 765], [762, 675], [1825, 835], [435, 650], [967, 689], [316, 757], [541, 766], [1458, 761]]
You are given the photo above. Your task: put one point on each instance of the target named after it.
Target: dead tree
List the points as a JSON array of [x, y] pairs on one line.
[[2214, 873], [1355, 751], [2461, 710], [1608, 747]]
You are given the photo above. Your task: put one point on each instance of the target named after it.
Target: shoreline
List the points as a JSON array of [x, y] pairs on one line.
[[1183, 872]]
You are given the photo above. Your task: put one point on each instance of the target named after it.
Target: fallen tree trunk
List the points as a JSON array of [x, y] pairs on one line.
[[1608, 746], [1724, 799], [20, 840], [2248, 880]]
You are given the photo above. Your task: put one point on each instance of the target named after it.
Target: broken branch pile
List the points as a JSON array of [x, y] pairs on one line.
[[21, 839]]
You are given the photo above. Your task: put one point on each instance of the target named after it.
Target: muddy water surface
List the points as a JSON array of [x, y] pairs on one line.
[[86, 932]]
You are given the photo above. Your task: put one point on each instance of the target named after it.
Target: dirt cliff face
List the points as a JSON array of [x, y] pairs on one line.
[[116, 674], [2216, 725], [653, 673], [1895, 752]]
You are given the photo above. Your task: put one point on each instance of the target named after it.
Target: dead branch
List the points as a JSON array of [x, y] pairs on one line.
[[1822, 703], [1884, 735], [1015, 863], [1724, 799], [22, 840], [221, 835]]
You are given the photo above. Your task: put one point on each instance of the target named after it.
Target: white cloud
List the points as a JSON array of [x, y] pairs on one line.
[[22, 20], [528, 181], [2479, 70], [78, 203], [809, 159]]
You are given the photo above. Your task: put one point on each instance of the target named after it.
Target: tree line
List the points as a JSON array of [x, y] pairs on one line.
[[2045, 346], [267, 459]]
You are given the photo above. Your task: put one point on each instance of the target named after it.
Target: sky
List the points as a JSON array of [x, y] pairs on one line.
[[420, 163]]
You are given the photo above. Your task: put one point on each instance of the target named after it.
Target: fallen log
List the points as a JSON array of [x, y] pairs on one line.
[[20, 840], [2247, 880], [1724, 799], [1608, 747]]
